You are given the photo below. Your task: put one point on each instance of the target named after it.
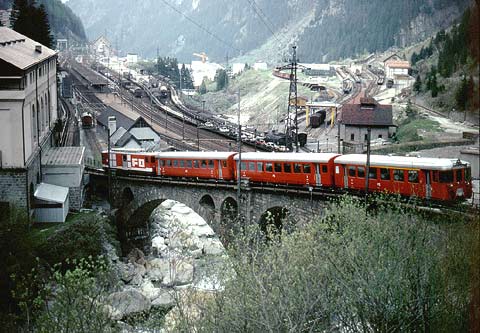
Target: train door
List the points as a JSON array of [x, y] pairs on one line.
[[318, 180], [220, 171], [345, 176], [428, 185], [113, 160]]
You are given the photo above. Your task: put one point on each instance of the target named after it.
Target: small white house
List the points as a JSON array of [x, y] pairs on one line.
[[51, 203]]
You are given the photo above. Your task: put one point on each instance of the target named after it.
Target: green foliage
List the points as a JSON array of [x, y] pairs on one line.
[[71, 299], [221, 79], [168, 67], [380, 267], [408, 130], [417, 86], [202, 90], [461, 94], [32, 21], [187, 81]]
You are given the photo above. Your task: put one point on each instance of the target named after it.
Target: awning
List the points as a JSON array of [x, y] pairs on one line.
[[52, 193]]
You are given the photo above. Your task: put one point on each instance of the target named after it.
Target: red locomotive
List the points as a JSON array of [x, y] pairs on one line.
[[429, 178]]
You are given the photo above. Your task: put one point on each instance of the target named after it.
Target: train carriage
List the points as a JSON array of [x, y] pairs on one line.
[[429, 178], [288, 168], [207, 165], [87, 120], [131, 160]]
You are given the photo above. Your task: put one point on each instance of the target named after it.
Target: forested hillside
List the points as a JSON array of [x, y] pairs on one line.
[[64, 23], [264, 29]]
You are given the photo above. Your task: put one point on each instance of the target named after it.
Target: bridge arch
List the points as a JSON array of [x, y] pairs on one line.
[[207, 208]]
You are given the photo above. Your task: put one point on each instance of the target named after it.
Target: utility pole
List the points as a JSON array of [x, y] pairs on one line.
[[109, 168], [292, 94], [198, 136], [367, 171], [338, 131], [239, 165]]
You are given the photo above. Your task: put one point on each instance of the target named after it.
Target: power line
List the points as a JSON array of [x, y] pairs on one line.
[[200, 26], [262, 17]]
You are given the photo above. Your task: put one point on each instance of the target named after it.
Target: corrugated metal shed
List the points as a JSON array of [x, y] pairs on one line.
[[51, 203], [64, 156], [52, 193]]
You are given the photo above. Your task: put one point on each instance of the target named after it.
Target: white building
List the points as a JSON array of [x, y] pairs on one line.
[[260, 66], [132, 58], [396, 67], [102, 47], [28, 111], [201, 70]]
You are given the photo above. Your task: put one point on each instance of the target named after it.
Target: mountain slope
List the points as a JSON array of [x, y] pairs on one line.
[[323, 29], [63, 22]]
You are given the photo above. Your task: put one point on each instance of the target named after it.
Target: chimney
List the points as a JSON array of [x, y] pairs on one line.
[[112, 124], [38, 48]]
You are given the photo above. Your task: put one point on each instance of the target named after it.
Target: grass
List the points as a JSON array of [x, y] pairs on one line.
[[408, 130]]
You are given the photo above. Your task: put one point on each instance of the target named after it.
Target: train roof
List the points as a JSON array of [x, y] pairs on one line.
[[293, 157], [402, 161], [214, 155], [131, 151]]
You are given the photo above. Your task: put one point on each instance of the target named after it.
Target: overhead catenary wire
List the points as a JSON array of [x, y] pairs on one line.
[[198, 25], [264, 18]]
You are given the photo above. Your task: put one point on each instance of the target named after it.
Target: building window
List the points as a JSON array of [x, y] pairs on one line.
[[380, 136], [366, 137], [352, 137]]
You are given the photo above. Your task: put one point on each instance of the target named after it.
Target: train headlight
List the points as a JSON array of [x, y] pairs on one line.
[[459, 192]]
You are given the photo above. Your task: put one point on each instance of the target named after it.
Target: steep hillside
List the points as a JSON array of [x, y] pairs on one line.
[[262, 29], [64, 23]]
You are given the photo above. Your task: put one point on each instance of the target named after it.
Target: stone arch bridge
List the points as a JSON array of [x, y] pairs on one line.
[[214, 201]]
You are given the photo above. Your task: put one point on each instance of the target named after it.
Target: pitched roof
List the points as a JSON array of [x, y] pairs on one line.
[[122, 120], [398, 64], [367, 113], [20, 51]]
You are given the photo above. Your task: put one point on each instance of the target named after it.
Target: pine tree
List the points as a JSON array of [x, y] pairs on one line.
[[31, 21], [221, 79], [44, 34], [461, 94], [417, 86], [203, 88]]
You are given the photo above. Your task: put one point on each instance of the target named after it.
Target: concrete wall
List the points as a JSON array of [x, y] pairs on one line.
[[360, 132]]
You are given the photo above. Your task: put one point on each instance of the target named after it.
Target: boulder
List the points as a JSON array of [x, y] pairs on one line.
[[136, 256], [181, 273], [164, 300], [126, 272], [158, 268], [127, 302], [213, 247]]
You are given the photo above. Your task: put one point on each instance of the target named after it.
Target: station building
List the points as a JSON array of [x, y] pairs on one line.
[[28, 113]]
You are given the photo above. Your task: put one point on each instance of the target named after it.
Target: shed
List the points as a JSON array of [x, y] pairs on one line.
[[51, 203]]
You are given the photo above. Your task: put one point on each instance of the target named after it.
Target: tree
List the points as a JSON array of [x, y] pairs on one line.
[[187, 82], [417, 86], [31, 21], [461, 94], [221, 79], [203, 88]]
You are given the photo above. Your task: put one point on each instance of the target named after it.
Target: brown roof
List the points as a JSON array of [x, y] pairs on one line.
[[19, 50], [398, 64], [367, 113]]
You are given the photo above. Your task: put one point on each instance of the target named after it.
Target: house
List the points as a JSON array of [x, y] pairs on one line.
[[5, 17], [102, 47], [355, 119], [396, 67], [318, 70], [28, 112]]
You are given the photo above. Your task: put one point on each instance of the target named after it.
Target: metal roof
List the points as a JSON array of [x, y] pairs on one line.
[[117, 135], [19, 50], [400, 161], [367, 114], [63, 156], [52, 193], [144, 133], [214, 155], [293, 157]]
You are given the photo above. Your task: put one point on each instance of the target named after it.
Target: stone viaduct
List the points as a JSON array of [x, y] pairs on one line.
[[215, 202]]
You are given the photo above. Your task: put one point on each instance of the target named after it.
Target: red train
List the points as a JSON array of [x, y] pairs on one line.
[[429, 178]]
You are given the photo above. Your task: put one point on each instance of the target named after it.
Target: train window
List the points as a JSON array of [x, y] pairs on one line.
[[175, 163], [260, 166], [372, 173], [361, 172], [243, 166], [287, 167], [412, 176], [268, 167], [324, 168], [278, 167], [195, 163], [446, 176], [384, 174], [204, 164], [181, 163], [251, 166], [169, 163], [398, 175], [124, 158], [189, 163], [306, 168], [352, 171], [297, 168], [458, 175], [210, 164], [224, 164], [468, 174]]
